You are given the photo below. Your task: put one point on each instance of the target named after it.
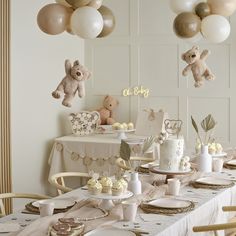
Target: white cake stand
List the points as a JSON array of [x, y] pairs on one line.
[[222, 154], [107, 199], [169, 174], [121, 134]]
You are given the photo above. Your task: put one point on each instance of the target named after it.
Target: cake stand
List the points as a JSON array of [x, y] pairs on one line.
[[222, 154], [121, 134], [107, 199], [169, 174]]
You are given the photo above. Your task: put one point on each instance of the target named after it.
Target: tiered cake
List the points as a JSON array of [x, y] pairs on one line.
[[171, 153]]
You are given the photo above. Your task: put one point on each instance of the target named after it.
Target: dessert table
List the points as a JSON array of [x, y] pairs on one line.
[[96, 152], [208, 210]]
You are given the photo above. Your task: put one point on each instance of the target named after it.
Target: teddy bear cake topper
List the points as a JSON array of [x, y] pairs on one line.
[[196, 63], [72, 82]]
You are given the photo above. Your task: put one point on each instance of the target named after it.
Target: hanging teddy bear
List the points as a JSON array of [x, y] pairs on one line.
[[72, 82], [196, 63]]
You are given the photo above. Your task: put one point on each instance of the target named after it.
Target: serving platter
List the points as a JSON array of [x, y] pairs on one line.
[[213, 181], [158, 170], [58, 203]]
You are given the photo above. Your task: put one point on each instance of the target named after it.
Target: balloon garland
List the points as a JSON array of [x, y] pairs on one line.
[[87, 19], [202, 18]]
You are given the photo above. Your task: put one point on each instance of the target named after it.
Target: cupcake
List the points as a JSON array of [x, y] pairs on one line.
[[218, 148], [212, 148], [106, 183], [91, 182], [124, 184], [130, 126], [95, 188], [125, 126], [117, 188], [116, 126]]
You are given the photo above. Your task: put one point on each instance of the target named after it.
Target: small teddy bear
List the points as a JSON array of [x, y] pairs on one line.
[[72, 82], [106, 112], [196, 63]]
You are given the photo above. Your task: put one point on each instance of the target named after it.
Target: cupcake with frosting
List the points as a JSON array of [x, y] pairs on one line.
[[95, 188], [218, 148], [116, 126], [125, 126], [117, 188], [91, 182], [130, 126], [124, 184], [212, 148], [106, 183]]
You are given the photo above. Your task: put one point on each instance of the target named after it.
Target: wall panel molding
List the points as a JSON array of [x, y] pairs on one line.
[[5, 143]]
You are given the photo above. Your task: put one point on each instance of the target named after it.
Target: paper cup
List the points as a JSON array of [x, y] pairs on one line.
[[46, 208], [218, 164], [173, 186], [129, 210]]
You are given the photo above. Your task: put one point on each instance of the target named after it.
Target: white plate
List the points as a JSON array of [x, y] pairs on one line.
[[169, 203], [213, 181], [59, 203], [231, 162], [222, 154], [110, 232], [157, 168]]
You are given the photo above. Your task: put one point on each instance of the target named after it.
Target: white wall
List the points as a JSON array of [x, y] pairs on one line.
[[37, 66], [143, 50]]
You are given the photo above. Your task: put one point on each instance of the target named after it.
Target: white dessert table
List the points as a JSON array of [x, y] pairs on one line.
[[96, 152], [208, 210]]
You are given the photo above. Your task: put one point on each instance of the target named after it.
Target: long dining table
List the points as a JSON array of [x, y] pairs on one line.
[[208, 210]]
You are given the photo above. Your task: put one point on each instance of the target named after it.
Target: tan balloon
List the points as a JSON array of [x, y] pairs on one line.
[[203, 10], [78, 3], [108, 21], [63, 2], [187, 25], [95, 3], [222, 7], [54, 18]]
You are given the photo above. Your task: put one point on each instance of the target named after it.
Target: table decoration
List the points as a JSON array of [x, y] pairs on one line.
[[167, 206]]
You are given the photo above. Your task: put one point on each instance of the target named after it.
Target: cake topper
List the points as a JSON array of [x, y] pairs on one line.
[[173, 127]]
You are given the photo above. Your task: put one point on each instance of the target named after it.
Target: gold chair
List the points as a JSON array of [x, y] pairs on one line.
[[18, 195], [216, 227], [58, 181]]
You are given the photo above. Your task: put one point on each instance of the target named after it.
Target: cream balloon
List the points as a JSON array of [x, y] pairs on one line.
[[222, 7], [54, 18], [215, 28], [179, 6], [95, 3], [86, 22], [63, 2]]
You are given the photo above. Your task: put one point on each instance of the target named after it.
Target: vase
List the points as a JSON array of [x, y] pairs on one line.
[[204, 160], [134, 184]]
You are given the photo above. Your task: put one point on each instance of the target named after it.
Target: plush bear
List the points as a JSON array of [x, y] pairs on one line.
[[196, 63], [72, 82], [106, 112]]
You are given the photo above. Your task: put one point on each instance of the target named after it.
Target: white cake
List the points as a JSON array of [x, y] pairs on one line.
[[171, 152]]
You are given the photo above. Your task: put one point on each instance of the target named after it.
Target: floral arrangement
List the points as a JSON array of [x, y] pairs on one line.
[[208, 124]]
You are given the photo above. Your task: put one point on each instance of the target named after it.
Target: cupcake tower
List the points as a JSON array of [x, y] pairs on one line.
[[105, 185]]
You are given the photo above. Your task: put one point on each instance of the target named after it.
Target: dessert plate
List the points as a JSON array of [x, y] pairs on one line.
[[147, 166], [58, 203], [213, 181], [171, 203], [231, 162], [109, 232]]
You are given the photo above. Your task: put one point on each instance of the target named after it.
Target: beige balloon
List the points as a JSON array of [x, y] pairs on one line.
[[108, 21], [187, 25], [203, 10], [54, 18], [222, 7], [95, 3], [78, 3], [63, 2]]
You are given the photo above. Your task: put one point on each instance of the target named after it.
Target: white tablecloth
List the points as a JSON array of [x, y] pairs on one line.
[[96, 152], [208, 210]]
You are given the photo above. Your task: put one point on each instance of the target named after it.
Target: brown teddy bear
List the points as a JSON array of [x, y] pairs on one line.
[[106, 112], [72, 82], [196, 63]]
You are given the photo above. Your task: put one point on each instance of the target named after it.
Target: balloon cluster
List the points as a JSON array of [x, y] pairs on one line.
[[199, 18], [86, 18]]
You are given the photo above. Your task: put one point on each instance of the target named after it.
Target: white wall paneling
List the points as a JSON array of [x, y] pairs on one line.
[[143, 50]]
